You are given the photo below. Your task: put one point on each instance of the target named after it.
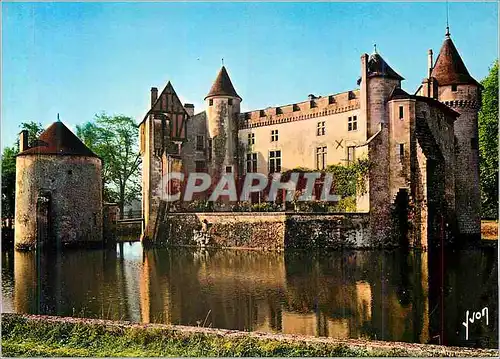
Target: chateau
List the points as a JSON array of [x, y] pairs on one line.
[[422, 147]]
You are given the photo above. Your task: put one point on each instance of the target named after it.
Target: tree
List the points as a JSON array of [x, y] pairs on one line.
[[488, 144], [9, 167], [115, 140]]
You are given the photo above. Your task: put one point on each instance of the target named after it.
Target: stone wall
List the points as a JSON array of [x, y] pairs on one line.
[[269, 230], [466, 101], [73, 184]]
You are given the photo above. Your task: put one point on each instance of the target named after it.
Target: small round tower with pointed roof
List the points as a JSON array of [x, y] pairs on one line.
[[223, 107], [58, 191], [378, 82], [381, 81], [460, 91]]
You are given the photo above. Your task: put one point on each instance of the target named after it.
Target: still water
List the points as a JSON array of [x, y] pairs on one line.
[[386, 295]]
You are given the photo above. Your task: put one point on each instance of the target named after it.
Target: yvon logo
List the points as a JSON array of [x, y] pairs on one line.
[[475, 316]]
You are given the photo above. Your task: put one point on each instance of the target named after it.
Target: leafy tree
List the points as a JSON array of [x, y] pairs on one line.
[[115, 140], [488, 144], [9, 167]]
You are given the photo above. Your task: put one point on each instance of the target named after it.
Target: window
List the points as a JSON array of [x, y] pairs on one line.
[[211, 102], [251, 162], [320, 130], [251, 139], [401, 152], [200, 146], [199, 166], [352, 123], [274, 161], [350, 154], [321, 158], [229, 169], [474, 144], [454, 88], [401, 112], [209, 149], [274, 135], [230, 102]]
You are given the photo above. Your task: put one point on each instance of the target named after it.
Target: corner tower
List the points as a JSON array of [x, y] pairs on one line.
[[381, 81], [460, 91], [378, 81], [223, 106]]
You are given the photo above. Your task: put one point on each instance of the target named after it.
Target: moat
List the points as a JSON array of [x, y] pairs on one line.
[[388, 295]]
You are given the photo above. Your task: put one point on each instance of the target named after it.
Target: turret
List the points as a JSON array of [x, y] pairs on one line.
[[378, 81], [460, 91], [381, 81], [223, 106]]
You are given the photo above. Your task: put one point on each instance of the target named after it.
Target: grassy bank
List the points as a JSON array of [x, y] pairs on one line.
[[24, 335]]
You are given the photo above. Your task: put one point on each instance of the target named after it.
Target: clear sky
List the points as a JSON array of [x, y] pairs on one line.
[[79, 59]]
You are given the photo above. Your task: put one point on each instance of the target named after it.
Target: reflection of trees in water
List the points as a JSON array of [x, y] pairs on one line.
[[470, 280], [375, 294], [72, 283]]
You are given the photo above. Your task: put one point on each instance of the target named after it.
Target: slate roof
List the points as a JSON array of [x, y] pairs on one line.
[[398, 93], [222, 85], [58, 140], [449, 68], [378, 67]]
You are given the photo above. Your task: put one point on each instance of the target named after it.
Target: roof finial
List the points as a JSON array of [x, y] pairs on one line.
[[375, 48], [58, 119], [222, 61], [447, 20]]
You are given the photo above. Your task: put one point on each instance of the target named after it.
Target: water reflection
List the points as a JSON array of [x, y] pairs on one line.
[[373, 294]]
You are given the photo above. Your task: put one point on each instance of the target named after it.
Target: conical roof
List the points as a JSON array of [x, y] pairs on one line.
[[449, 68], [378, 67], [222, 86], [58, 140]]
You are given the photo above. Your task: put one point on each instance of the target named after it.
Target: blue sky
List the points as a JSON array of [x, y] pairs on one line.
[[79, 59]]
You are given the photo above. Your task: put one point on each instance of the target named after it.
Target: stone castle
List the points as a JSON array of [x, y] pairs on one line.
[[422, 147]]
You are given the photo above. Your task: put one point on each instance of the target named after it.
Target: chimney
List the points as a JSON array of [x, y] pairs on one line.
[[154, 95], [429, 62], [189, 107], [23, 141]]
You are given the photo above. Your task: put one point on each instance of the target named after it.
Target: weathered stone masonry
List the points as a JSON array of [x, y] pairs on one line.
[[270, 230], [422, 148], [58, 192]]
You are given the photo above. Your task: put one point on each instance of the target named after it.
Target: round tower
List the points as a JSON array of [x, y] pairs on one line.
[[58, 192], [460, 91], [223, 107], [381, 80]]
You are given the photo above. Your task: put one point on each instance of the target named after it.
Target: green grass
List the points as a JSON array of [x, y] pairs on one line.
[[22, 336]]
